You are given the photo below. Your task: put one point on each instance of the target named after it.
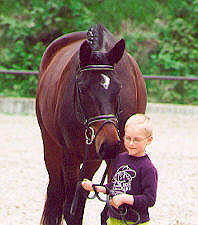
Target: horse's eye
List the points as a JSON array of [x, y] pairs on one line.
[[83, 90]]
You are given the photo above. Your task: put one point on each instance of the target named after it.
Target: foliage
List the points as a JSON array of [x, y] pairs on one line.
[[112, 13], [177, 51], [178, 48], [161, 35], [180, 92], [26, 28], [171, 48]]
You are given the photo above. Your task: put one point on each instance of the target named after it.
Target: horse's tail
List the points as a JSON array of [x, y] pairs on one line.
[[53, 209]]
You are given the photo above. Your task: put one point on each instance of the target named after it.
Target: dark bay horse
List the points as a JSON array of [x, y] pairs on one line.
[[87, 82]]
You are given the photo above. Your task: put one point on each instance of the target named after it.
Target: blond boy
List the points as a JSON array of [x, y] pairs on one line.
[[134, 177]]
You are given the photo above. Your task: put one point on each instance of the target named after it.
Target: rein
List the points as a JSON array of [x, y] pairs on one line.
[[82, 175], [89, 140]]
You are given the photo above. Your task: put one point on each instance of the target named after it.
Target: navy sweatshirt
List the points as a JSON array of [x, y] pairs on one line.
[[136, 176]]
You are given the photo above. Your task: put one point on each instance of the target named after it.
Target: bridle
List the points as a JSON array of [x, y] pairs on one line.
[[90, 133]]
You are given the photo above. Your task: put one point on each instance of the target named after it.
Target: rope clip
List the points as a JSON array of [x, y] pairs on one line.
[[89, 135]]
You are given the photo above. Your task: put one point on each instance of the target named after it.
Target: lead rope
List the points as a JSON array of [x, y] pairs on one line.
[[101, 182], [78, 185], [74, 205], [122, 210]]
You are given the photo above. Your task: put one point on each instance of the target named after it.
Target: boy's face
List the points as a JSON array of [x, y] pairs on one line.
[[135, 140]]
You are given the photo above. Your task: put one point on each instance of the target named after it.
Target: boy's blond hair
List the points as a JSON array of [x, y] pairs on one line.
[[141, 120]]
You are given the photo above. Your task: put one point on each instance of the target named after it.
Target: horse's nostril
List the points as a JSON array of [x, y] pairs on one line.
[[109, 151]]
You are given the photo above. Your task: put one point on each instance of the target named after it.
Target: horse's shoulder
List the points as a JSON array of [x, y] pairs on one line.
[[58, 44]]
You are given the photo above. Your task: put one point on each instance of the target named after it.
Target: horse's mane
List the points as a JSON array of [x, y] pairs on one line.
[[59, 43], [100, 38]]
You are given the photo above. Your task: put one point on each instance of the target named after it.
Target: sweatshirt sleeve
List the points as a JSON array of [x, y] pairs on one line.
[[149, 189]]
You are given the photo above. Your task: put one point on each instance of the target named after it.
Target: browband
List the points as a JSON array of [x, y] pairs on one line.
[[96, 67]]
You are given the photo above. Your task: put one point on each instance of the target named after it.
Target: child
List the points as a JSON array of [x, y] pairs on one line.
[[134, 179]]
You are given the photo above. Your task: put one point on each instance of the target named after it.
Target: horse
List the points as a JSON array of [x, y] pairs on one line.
[[88, 86]]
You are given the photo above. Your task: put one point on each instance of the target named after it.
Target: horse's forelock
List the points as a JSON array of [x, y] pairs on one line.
[[98, 58]]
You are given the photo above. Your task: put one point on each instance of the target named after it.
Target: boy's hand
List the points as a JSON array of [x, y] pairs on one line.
[[120, 199], [117, 201], [87, 185]]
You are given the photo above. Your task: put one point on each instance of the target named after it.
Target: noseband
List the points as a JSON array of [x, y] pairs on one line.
[[90, 133]]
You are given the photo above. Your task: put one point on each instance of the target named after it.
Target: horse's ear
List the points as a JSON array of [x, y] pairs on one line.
[[85, 52], [115, 54]]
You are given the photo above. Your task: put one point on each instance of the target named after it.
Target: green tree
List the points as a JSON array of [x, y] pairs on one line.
[[177, 52], [26, 28]]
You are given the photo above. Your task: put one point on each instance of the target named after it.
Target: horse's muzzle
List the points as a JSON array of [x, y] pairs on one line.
[[107, 151]]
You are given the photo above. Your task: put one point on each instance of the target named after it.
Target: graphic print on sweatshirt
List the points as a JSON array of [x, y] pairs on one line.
[[122, 180]]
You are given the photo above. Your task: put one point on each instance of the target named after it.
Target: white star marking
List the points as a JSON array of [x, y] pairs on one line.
[[105, 81]]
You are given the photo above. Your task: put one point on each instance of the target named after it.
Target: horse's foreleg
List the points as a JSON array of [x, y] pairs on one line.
[[71, 182], [70, 192], [53, 209], [71, 170], [104, 216]]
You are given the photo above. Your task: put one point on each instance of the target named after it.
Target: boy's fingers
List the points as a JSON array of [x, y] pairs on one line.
[[87, 184], [85, 179]]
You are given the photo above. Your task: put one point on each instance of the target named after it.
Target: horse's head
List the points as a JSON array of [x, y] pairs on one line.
[[98, 91]]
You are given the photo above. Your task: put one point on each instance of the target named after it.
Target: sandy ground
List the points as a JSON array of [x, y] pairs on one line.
[[23, 178]]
